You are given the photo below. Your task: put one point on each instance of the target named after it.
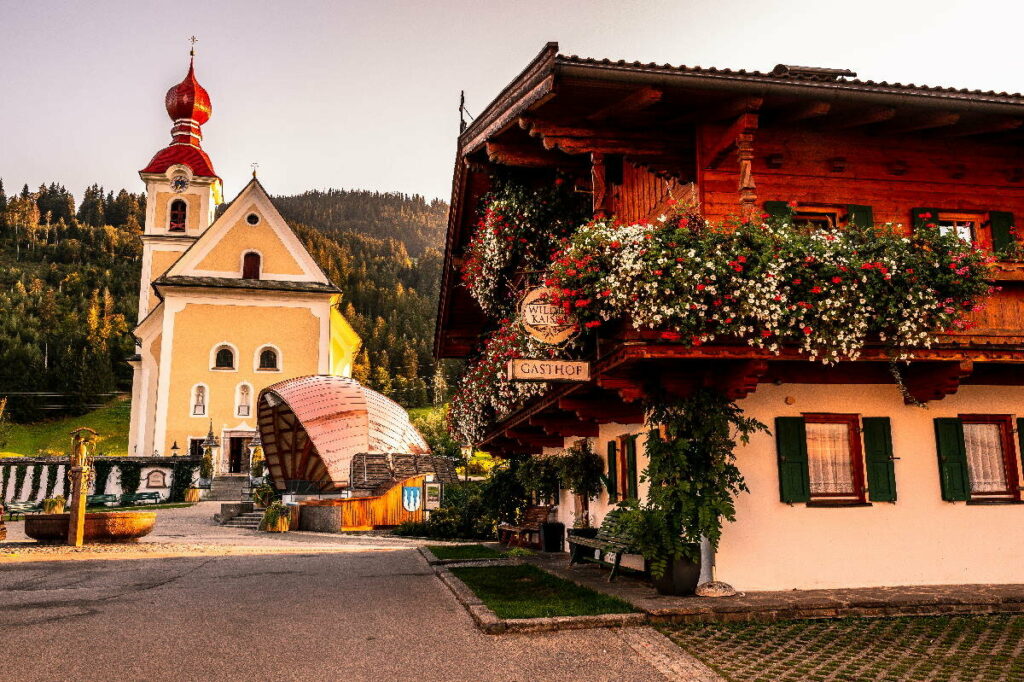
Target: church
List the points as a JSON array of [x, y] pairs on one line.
[[228, 305]]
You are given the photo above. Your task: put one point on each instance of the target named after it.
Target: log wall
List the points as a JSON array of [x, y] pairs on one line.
[[368, 513]]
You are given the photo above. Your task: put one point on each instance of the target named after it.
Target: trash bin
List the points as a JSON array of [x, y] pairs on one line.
[[551, 535]]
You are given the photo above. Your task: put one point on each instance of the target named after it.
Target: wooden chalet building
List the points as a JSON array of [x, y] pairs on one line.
[[854, 486]]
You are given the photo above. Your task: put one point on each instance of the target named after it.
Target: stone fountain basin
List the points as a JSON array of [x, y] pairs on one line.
[[120, 526]]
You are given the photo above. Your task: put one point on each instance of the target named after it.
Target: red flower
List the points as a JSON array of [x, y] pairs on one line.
[[797, 281], [837, 280], [658, 273], [807, 331], [815, 290], [765, 333], [593, 323], [701, 287]]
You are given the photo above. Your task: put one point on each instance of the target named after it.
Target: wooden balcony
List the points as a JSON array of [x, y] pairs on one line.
[[631, 365]]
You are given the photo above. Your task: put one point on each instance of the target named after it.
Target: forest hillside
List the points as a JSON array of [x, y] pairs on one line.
[[69, 278]]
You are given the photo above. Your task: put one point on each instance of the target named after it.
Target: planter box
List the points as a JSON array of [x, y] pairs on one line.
[[681, 578]]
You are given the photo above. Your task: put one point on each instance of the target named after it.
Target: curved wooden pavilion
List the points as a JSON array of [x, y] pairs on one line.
[[313, 426]]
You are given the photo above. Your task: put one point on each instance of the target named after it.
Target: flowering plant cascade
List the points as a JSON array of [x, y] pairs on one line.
[[518, 229], [484, 394], [772, 283]]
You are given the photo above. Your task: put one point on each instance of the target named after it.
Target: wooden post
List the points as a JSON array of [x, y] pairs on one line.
[[747, 188], [598, 185], [80, 471]]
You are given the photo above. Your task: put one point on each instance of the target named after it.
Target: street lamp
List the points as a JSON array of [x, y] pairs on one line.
[[175, 449]]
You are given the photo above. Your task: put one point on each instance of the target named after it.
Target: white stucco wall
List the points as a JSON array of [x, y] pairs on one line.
[[113, 486], [918, 540]]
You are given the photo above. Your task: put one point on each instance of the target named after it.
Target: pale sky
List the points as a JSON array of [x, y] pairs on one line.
[[364, 94]]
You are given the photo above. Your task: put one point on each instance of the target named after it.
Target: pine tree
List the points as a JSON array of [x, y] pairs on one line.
[[361, 368], [439, 386]]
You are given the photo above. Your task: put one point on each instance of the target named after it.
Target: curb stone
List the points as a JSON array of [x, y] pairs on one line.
[[491, 624]]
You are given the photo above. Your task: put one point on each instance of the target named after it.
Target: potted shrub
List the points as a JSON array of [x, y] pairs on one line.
[[191, 494], [54, 505], [276, 518], [693, 478], [262, 494], [580, 471]]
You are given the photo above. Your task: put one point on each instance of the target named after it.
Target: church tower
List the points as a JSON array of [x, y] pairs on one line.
[[182, 189]]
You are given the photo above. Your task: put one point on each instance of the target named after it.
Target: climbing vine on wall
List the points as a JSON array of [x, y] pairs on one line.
[[130, 475], [37, 481], [4, 480], [51, 479], [102, 474], [19, 480], [182, 475]]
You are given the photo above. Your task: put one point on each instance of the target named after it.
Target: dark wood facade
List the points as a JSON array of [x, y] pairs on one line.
[[636, 135]]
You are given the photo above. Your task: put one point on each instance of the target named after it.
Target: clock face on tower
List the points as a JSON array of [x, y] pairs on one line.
[[179, 183]]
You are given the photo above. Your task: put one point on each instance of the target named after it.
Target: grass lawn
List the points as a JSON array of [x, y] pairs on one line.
[[968, 647], [528, 592], [51, 437], [465, 552]]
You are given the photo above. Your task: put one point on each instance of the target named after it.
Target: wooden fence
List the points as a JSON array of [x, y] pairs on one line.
[[367, 513]]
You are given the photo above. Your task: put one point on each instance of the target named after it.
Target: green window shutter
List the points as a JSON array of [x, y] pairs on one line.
[[917, 219], [631, 467], [777, 209], [791, 442], [881, 469], [949, 439], [613, 472], [860, 215], [1020, 439], [1000, 223]]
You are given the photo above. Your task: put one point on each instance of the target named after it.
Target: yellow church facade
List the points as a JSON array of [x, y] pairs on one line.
[[227, 306]]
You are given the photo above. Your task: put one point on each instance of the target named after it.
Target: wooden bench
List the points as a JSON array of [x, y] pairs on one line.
[[100, 500], [533, 519], [609, 540], [140, 498], [22, 508]]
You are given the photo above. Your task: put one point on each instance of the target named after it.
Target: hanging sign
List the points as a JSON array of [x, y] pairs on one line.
[[544, 321], [526, 369]]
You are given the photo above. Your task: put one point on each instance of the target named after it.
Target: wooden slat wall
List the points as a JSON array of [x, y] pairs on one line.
[[367, 513], [643, 195], [805, 175]]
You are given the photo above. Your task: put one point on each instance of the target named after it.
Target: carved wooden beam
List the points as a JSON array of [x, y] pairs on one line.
[[599, 186], [940, 119], [864, 117], [630, 390], [741, 379], [720, 112], [743, 125], [637, 100], [565, 426], [797, 113], [989, 125], [581, 145], [524, 156], [603, 410], [935, 380], [534, 438]]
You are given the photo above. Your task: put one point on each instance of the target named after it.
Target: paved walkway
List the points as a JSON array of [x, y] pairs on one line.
[[297, 606], [771, 606]]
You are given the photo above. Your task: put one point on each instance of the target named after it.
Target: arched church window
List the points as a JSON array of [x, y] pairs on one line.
[[251, 266], [244, 400], [268, 359], [225, 359], [179, 211], [199, 401]]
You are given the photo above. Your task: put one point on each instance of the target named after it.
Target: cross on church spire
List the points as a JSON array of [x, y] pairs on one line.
[[192, 51]]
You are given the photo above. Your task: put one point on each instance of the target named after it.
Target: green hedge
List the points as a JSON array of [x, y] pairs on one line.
[[102, 474], [182, 475], [130, 477]]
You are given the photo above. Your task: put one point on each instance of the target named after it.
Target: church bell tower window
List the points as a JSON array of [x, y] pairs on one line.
[[179, 212]]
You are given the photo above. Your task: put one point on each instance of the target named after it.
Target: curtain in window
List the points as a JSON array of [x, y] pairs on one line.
[[828, 459], [985, 458]]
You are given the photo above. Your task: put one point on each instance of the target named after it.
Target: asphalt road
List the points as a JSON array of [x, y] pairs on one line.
[[368, 614]]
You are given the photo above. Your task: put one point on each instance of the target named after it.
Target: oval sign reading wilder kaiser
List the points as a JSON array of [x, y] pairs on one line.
[[543, 320]]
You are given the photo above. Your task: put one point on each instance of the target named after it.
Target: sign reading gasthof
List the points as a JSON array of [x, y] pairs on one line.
[[544, 321], [526, 369]]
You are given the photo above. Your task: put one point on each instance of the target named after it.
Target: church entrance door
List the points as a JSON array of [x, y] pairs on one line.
[[238, 455]]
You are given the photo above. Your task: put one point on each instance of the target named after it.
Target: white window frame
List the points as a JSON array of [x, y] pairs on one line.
[[259, 352], [213, 357]]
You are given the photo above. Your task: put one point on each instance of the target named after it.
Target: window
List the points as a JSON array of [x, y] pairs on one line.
[[824, 459], [244, 400], [818, 217], [195, 447], [834, 463], [966, 226], [991, 456], [199, 401], [179, 211], [224, 359], [251, 265], [268, 359], [252, 219]]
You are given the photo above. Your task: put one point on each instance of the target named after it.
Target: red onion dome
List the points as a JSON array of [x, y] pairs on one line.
[[188, 99]]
